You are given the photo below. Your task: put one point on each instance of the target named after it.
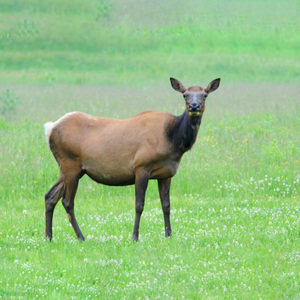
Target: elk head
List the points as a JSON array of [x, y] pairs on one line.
[[195, 96]]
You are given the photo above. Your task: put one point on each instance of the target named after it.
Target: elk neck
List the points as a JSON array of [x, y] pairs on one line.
[[183, 132]]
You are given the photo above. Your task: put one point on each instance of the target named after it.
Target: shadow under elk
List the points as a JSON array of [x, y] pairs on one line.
[[115, 152]]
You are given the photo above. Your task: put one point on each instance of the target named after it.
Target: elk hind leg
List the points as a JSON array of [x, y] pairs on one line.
[[51, 199], [71, 183]]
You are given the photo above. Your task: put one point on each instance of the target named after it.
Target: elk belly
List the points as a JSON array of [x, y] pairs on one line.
[[110, 173]]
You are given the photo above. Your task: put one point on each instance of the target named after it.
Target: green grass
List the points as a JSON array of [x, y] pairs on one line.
[[235, 210], [235, 200]]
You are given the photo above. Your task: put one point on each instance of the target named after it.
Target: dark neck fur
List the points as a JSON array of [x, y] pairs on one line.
[[183, 132]]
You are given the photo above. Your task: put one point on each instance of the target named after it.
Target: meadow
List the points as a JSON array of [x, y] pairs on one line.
[[235, 199]]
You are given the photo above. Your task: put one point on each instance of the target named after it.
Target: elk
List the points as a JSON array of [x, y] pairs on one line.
[[117, 152]]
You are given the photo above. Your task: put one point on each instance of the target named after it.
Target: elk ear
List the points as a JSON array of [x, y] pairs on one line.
[[213, 85], [177, 85]]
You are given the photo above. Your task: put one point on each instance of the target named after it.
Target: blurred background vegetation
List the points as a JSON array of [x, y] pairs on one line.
[[144, 42]]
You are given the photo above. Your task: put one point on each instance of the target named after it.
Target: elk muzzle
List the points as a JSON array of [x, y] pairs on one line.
[[194, 110]]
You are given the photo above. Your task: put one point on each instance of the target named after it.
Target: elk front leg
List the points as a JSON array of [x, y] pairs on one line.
[[164, 194], [141, 183]]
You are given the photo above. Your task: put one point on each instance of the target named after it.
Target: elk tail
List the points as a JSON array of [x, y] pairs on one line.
[[48, 128]]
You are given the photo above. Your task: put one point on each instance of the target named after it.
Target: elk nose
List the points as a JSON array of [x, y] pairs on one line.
[[194, 107]]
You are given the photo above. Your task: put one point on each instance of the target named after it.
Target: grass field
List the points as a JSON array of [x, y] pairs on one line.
[[235, 200]]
